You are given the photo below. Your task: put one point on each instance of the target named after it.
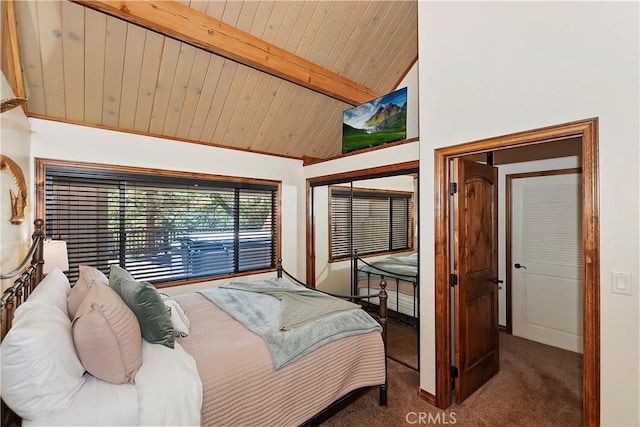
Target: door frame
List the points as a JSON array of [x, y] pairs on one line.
[[587, 130], [508, 212]]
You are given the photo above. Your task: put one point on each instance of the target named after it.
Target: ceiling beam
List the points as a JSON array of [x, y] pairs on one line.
[[182, 23], [11, 64]]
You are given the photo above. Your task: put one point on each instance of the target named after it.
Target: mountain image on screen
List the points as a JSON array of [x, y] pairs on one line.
[[379, 121], [389, 117]]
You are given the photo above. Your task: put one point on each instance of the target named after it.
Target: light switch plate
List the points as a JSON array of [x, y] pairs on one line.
[[621, 283]]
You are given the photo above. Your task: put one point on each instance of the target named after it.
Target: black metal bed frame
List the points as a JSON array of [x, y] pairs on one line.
[[385, 274], [414, 322], [351, 397]]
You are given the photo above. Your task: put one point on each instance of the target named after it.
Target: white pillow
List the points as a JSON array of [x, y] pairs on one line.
[[98, 403], [53, 291], [41, 372], [179, 319]]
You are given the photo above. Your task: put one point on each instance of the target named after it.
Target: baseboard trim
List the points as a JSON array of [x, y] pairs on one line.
[[425, 395]]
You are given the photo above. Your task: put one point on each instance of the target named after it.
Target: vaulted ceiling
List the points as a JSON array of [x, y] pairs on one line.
[[266, 76]]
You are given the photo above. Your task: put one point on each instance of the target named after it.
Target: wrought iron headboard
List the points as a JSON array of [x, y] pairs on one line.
[[30, 275]]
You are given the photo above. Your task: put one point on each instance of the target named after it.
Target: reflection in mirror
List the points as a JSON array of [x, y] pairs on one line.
[[378, 218]]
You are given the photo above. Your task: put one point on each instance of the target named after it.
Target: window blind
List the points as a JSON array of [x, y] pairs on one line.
[[369, 221], [160, 228]]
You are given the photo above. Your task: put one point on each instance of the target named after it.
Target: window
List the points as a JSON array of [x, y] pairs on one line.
[[161, 227], [371, 221]]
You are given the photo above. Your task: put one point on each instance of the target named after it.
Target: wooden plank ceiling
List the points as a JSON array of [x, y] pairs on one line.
[[85, 66]]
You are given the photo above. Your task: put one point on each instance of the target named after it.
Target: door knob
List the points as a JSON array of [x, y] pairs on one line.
[[517, 265]]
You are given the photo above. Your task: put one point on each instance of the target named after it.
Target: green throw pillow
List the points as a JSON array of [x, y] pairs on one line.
[[146, 304]]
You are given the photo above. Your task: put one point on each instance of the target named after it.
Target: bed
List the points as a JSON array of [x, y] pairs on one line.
[[222, 373], [401, 275]]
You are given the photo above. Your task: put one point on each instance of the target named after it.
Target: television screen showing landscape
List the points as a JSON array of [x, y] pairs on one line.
[[378, 121]]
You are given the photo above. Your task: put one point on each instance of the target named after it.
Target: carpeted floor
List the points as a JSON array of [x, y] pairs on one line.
[[537, 386], [402, 342]]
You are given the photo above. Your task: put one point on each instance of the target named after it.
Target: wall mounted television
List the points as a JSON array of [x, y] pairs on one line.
[[378, 121]]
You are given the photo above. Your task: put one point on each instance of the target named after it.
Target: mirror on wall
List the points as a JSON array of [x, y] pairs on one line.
[[378, 218]]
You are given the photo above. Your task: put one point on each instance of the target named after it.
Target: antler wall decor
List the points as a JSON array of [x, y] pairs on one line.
[[19, 199], [10, 103]]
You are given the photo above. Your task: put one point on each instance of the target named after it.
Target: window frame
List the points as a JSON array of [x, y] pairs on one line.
[[41, 165], [373, 191]]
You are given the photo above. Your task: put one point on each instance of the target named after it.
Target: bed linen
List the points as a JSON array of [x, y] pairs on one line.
[[278, 306], [167, 391], [169, 387], [398, 302], [402, 267], [241, 386], [298, 305], [393, 285], [400, 272], [97, 403]]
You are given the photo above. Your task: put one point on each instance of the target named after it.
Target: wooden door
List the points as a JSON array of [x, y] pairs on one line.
[[475, 211]]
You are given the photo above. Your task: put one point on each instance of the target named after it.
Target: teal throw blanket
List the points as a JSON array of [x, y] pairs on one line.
[[402, 267], [291, 320]]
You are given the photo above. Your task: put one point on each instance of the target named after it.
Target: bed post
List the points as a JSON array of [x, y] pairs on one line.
[[354, 272], [383, 321], [279, 267], [38, 256]]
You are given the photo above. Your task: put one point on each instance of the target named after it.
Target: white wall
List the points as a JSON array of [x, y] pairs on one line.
[[14, 143], [55, 140], [410, 81], [503, 171], [493, 68]]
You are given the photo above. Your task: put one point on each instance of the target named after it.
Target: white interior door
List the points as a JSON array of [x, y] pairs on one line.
[[547, 282]]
